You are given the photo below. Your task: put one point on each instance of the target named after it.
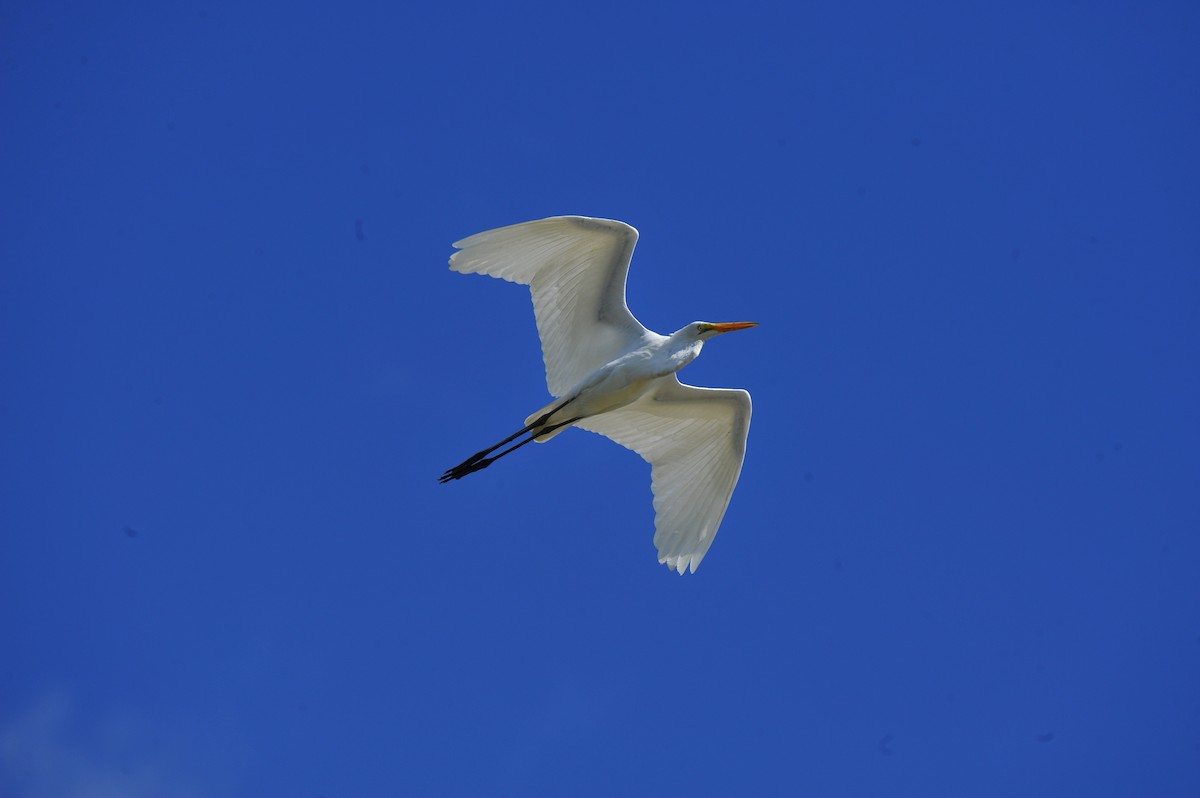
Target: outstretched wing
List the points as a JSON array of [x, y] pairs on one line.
[[575, 268], [695, 441]]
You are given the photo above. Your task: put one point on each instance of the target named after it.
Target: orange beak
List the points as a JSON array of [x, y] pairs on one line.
[[730, 326]]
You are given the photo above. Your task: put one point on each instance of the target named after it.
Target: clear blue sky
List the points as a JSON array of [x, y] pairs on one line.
[[963, 556]]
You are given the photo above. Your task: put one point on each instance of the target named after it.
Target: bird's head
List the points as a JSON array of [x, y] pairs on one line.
[[704, 330]]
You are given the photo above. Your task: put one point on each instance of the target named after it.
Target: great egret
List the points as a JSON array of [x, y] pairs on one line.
[[611, 375]]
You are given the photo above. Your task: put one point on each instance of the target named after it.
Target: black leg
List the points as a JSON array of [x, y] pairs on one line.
[[480, 461], [536, 422]]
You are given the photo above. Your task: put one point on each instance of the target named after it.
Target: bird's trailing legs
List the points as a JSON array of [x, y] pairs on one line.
[[480, 459]]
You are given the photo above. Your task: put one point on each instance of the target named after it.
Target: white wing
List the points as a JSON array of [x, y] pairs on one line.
[[695, 440], [575, 268]]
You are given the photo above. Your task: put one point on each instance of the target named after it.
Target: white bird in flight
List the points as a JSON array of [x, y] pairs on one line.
[[611, 375]]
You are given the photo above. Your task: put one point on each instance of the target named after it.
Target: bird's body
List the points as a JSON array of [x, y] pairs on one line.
[[622, 381], [613, 376]]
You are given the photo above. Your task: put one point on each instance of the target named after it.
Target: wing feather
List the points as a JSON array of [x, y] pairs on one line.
[[575, 267], [695, 441]]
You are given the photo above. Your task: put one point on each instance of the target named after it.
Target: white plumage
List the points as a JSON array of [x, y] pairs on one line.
[[613, 376]]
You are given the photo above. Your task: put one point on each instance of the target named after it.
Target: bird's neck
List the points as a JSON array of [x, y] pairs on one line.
[[684, 351]]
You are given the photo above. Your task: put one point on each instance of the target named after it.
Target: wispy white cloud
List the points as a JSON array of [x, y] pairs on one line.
[[51, 750]]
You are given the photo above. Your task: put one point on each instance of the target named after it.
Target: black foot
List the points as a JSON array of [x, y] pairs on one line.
[[466, 467]]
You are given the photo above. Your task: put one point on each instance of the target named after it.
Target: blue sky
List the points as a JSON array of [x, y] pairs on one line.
[[962, 557]]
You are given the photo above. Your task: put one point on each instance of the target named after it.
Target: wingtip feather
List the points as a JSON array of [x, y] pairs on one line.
[[681, 564]]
